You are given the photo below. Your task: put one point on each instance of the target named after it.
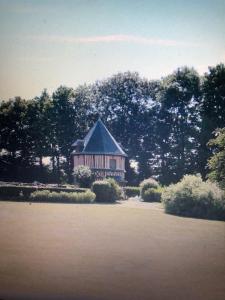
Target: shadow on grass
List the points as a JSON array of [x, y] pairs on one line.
[[57, 202]]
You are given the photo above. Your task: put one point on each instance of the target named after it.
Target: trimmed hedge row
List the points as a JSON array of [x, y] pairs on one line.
[[12, 192], [131, 191], [47, 196]]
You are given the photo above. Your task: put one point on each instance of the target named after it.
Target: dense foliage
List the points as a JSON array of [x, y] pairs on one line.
[[83, 176], [193, 197], [150, 190], [106, 190], [163, 125], [47, 196], [131, 191], [152, 195], [22, 192], [217, 161]]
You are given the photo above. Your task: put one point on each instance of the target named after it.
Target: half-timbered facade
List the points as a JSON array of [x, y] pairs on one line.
[[100, 152]]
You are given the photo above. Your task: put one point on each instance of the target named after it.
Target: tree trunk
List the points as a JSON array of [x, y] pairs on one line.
[[58, 168]]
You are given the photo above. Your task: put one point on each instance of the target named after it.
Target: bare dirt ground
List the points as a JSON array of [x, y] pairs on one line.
[[96, 252]]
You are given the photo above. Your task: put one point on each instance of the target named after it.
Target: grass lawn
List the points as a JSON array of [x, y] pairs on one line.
[[96, 252]]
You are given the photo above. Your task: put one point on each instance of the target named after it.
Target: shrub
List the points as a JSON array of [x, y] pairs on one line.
[[116, 189], [17, 192], [106, 190], [152, 195], [47, 196], [193, 197], [83, 176], [146, 184], [11, 192], [131, 191]]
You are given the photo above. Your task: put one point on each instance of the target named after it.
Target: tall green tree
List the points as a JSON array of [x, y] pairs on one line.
[[40, 125], [125, 101], [41, 130], [16, 153], [216, 162], [70, 118], [212, 110], [178, 125]]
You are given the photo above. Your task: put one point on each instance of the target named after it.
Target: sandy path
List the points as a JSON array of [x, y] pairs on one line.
[[137, 203], [96, 252]]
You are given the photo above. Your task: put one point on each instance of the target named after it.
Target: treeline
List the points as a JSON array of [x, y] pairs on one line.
[[164, 125]]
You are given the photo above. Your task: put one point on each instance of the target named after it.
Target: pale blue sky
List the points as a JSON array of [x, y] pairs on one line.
[[45, 44]]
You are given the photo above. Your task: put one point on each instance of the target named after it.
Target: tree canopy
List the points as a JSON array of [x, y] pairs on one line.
[[163, 125], [217, 161]]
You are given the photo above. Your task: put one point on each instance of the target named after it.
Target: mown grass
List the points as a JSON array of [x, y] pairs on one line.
[[90, 252]]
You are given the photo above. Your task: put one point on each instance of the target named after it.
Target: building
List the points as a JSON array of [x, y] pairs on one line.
[[100, 152]]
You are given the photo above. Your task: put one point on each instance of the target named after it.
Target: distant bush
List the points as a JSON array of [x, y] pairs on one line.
[[117, 191], [47, 196], [193, 197], [150, 190], [17, 192], [131, 191], [152, 195], [149, 183], [106, 190], [83, 176]]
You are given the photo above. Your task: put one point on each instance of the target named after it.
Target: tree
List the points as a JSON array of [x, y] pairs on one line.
[[212, 110], [126, 102], [217, 161], [70, 118], [178, 125], [41, 131], [16, 155]]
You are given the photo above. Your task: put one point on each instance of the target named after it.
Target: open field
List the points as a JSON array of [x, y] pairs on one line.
[[96, 252]]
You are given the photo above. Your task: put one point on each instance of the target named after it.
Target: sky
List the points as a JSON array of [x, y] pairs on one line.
[[45, 44]]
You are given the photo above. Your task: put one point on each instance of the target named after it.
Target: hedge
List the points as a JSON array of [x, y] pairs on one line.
[[131, 191], [152, 195], [150, 190], [106, 190], [12, 192], [149, 183], [192, 197], [66, 197]]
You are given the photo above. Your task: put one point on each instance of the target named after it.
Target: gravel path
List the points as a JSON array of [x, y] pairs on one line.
[[137, 203]]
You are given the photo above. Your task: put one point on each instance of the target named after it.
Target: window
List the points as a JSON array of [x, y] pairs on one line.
[[112, 164]]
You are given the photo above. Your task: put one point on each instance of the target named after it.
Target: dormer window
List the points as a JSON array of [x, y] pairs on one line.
[[78, 146]]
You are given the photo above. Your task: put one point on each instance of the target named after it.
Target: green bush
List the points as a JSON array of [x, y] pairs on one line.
[[193, 197], [131, 191], [147, 184], [152, 195], [106, 190], [83, 176], [47, 196], [17, 192]]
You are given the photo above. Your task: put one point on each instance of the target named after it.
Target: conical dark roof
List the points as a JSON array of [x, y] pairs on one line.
[[100, 141]]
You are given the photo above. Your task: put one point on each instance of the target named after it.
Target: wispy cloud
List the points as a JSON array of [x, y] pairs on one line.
[[35, 59], [112, 39]]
